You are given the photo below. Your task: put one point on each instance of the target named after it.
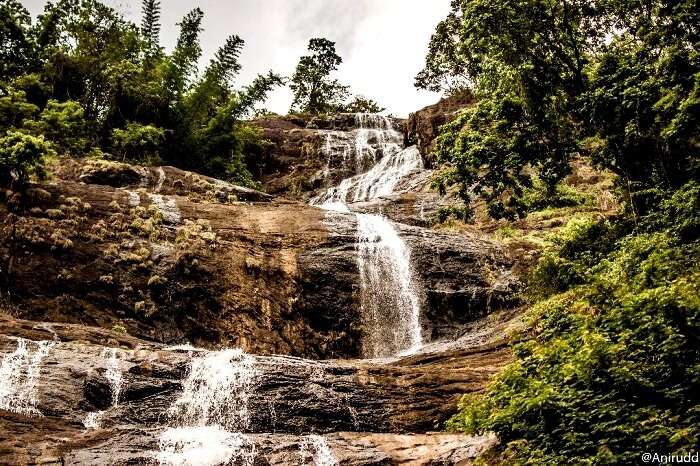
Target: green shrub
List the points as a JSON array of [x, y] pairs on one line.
[[138, 142], [538, 197], [22, 155], [65, 125], [15, 109]]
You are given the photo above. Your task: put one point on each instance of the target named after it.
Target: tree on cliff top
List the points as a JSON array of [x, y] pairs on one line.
[[314, 91], [361, 104]]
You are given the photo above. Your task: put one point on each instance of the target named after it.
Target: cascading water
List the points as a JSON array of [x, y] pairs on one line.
[[18, 373], [116, 381], [373, 138], [317, 448], [380, 180], [388, 293], [389, 298], [209, 418]]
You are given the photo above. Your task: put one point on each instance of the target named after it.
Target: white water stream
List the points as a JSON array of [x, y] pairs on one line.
[[116, 382], [317, 448], [389, 295], [390, 303], [373, 138], [209, 418], [18, 373]]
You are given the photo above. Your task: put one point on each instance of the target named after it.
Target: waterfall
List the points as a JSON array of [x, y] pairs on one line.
[[373, 139], [210, 415], [204, 446], [18, 373], [389, 295], [317, 447], [116, 381], [380, 180]]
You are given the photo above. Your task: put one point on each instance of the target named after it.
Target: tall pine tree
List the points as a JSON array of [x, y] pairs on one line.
[[150, 26]]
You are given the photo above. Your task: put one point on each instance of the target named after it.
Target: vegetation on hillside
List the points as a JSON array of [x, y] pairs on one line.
[[83, 80], [610, 367]]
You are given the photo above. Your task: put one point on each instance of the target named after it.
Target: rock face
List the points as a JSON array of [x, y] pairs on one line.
[[270, 277], [286, 401], [293, 157], [423, 126]]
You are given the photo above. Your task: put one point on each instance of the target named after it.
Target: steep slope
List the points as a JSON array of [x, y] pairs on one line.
[[112, 271]]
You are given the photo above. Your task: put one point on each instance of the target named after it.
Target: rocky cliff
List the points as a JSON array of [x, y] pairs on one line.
[[163, 261], [152, 315], [423, 126]]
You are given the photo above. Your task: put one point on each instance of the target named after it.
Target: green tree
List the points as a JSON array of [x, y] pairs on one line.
[[610, 368], [64, 124], [445, 68], [150, 26], [187, 51], [84, 77], [138, 142], [16, 48], [314, 91], [361, 104], [14, 108], [642, 105], [613, 80]]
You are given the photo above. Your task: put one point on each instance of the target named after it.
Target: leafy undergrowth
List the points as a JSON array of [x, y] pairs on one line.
[[610, 367], [588, 194]]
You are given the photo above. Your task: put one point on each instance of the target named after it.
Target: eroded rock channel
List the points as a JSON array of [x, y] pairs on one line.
[[155, 316]]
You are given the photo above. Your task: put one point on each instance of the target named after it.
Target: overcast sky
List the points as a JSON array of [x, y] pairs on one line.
[[382, 42]]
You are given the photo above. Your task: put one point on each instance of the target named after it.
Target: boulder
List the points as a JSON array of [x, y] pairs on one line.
[[423, 126]]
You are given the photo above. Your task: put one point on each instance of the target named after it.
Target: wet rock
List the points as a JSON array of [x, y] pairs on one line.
[[349, 449], [290, 397], [423, 126], [274, 278]]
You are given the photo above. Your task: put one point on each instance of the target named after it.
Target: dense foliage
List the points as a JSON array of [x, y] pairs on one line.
[[617, 81], [82, 80], [610, 366], [315, 92]]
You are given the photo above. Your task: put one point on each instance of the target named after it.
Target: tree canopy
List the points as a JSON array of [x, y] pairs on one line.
[[616, 81], [90, 81], [315, 92], [608, 367]]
